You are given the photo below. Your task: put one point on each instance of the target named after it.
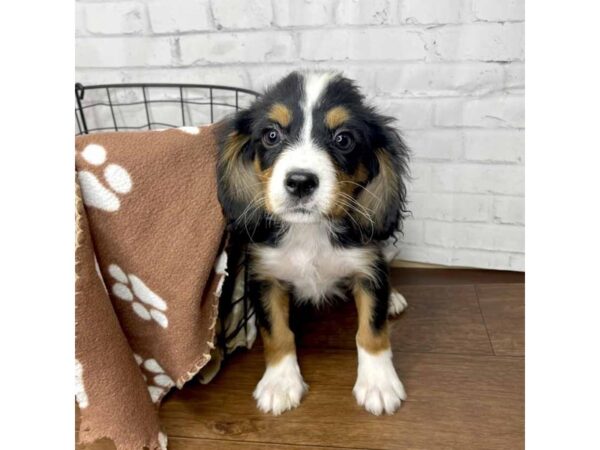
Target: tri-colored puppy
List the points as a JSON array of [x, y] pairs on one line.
[[313, 179]]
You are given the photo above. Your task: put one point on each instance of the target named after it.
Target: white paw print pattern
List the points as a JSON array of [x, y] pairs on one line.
[[188, 129], [158, 381], [95, 194], [162, 440], [80, 394], [145, 303]]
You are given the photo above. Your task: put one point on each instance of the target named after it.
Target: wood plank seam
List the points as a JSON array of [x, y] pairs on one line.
[[487, 330]]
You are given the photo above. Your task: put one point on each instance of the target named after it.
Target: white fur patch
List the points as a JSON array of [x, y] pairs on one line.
[[397, 303], [281, 387], [307, 260], [314, 86], [302, 157], [378, 387]]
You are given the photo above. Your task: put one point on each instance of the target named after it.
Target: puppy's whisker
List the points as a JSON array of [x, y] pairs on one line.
[[347, 213], [361, 186], [355, 202], [360, 209], [343, 204], [244, 187], [253, 206], [249, 206], [251, 235]]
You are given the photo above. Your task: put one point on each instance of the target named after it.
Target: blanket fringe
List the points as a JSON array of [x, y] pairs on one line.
[[204, 360], [221, 269]]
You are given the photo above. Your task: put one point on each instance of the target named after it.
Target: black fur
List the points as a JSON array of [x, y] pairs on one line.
[[379, 287], [256, 290]]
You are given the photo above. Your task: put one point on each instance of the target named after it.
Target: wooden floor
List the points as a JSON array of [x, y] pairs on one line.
[[458, 348]]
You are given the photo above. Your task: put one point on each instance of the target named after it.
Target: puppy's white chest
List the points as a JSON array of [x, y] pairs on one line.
[[307, 260]]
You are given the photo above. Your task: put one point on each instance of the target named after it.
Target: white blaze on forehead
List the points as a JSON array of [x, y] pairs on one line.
[[314, 86]]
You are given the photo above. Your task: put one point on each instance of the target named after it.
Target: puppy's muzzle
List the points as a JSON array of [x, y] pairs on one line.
[[301, 183]]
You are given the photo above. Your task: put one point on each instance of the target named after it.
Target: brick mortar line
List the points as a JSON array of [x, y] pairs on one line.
[[429, 28]]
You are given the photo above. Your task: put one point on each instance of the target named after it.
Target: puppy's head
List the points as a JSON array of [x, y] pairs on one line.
[[311, 150]]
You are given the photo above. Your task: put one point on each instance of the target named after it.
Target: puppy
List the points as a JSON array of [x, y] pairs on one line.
[[312, 180]]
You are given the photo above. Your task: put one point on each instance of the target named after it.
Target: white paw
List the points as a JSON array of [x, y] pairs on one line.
[[95, 193], [281, 387], [397, 303], [378, 387]]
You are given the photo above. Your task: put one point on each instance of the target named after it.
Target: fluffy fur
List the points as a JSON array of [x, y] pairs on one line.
[[311, 179]]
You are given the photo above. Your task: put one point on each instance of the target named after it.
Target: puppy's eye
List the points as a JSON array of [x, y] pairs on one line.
[[344, 141], [271, 137]]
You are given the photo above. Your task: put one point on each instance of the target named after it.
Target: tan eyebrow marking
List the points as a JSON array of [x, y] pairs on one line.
[[280, 114], [336, 116]]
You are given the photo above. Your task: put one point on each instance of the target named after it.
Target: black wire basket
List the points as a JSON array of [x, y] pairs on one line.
[[154, 106]]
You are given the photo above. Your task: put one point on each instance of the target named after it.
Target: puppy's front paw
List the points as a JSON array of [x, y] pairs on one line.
[[281, 387], [379, 398], [378, 387], [397, 303]]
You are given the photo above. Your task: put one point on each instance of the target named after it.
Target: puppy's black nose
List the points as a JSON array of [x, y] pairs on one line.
[[301, 183]]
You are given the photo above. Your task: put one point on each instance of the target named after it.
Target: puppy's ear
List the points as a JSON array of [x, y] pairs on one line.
[[238, 184], [384, 197]]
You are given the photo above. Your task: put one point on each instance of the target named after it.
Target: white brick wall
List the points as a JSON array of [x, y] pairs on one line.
[[450, 71], [174, 16]]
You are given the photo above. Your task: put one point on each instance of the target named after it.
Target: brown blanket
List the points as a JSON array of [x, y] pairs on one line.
[[149, 236]]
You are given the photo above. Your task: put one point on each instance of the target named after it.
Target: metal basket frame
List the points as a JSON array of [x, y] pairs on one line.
[[212, 89]]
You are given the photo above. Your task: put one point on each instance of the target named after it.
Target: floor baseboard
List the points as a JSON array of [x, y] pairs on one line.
[[400, 263]]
